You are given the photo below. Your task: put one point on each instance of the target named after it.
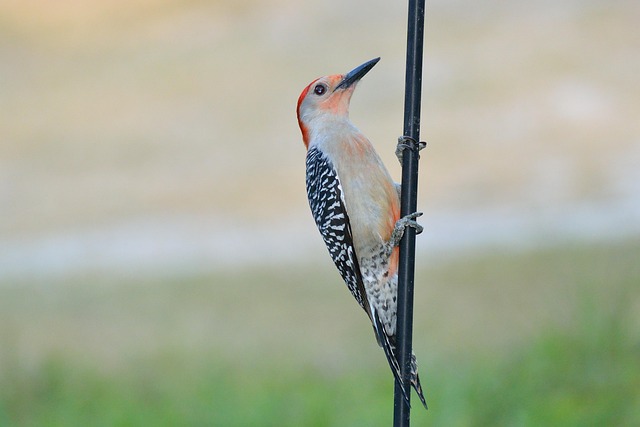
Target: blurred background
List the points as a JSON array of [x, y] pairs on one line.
[[159, 264]]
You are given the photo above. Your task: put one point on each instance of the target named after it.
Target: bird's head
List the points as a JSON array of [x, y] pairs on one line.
[[328, 96]]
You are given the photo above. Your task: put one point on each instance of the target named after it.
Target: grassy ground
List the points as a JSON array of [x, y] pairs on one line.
[[547, 337]]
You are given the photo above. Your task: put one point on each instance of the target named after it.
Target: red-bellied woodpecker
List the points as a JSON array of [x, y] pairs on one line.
[[355, 204]]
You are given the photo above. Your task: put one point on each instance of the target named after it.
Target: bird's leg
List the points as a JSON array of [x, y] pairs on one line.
[[402, 224], [398, 231], [406, 142]]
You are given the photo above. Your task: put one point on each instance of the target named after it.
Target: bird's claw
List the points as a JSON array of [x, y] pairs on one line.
[[410, 221], [402, 224], [406, 142]]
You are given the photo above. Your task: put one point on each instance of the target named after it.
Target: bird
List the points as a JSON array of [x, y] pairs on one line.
[[355, 205]]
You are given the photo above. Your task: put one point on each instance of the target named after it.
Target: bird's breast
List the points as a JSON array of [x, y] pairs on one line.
[[370, 196]]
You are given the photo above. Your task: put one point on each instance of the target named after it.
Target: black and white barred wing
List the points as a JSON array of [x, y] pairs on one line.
[[328, 208]]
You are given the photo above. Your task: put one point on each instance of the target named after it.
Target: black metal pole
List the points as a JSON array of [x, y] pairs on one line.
[[408, 205]]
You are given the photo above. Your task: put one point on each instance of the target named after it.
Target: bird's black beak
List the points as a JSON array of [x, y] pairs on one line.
[[356, 74]]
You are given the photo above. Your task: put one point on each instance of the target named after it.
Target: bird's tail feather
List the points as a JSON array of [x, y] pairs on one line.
[[389, 348], [388, 344], [415, 380]]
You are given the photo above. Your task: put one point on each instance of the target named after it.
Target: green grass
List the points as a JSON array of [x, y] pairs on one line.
[[575, 364], [589, 379]]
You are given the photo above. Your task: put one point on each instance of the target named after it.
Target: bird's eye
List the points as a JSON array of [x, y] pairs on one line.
[[319, 89]]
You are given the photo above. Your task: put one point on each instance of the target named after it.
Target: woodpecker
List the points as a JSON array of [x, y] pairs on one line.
[[355, 205]]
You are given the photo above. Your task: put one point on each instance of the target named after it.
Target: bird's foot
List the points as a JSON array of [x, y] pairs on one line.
[[402, 224], [406, 142]]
